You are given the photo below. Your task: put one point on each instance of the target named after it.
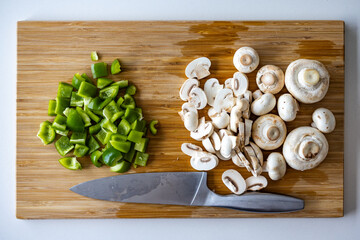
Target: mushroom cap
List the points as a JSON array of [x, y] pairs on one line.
[[220, 120], [269, 132], [234, 181], [307, 80], [246, 59], [211, 87], [239, 84], [305, 148], [226, 146], [276, 166], [324, 120], [191, 121], [186, 88], [198, 98], [263, 104], [287, 107], [270, 79], [198, 68], [224, 100]]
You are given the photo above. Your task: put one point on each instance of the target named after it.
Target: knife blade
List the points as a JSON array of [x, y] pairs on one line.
[[181, 188]]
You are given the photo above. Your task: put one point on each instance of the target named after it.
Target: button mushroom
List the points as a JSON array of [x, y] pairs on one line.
[[324, 120], [269, 132], [256, 183], [204, 130], [219, 120], [211, 88], [307, 80], [275, 166], [212, 143], [239, 84], [270, 79], [198, 98], [191, 149], [287, 107], [305, 148], [204, 161], [234, 181], [198, 68], [263, 104], [224, 100], [246, 59], [186, 88]]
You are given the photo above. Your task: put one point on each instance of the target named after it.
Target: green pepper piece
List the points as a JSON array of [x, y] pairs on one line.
[[87, 101], [86, 77], [105, 103], [51, 108], [152, 127], [94, 56], [111, 156], [131, 90], [70, 163], [62, 133], [139, 111], [80, 150], [124, 127], [138, 125], [78, 138], [74, 121], [76, 100], [131, 115], [98, 103], [59, 123], [135, 136], [93, 144], [121, 146], [109, 92], [115, 67], [120, 101], [103, 136], [94, 129], [95, 158], [93, 116], [103, 82], [141, 145], [121, 84], [110, 110], [129, 156], [87, 90], [99, 70], [46, 133], [107, 124], [141, 158], [117, 115], [61, 104], [121, 167], [63, 145], [86, 119], [77, 80], [129, 102], [64, 90], [118, 137]]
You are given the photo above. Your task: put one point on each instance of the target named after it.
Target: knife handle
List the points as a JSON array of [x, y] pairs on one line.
[[256, 202]]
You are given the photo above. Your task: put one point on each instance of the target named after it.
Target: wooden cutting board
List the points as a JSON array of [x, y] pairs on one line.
[[154, 55]]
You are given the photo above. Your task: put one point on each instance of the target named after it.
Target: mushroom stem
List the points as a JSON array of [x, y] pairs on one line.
[[308, 77], [308, 149], [246, 60], [271, 132], [268, 79]]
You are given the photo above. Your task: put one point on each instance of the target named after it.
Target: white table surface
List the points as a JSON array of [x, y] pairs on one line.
[[347, 227]]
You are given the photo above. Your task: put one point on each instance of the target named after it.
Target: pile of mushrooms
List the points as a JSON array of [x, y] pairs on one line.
[[230, 134]]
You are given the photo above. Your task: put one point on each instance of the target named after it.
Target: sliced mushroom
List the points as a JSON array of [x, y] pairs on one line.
[[236, 159], [287, 107], [256, 183], [307, 80], [246, 59], [198, 98], [224, 100], [242, 103], [305, 148], [219, 120], [191, 149], [255, 165], [226, 146], [239, 84], [248, 125], [324, 120], [264, 104], [190, 121], [227, 83], [204, 161], [204, 130], [257, 152], [269, 132], [275, 166], [223, 132], [212, 143], [248, 96], [270, 79], [241, 134], [235, 118], [211, 88], [186, 88], [234, 181], [198, 68], [256, 94], [221, 157]]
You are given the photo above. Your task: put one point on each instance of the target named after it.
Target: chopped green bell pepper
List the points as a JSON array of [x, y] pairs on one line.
[[46, 133], [103, 82], [77, 80], [63, 145], [138, 125], [76, 100], [94, 129], [109, 92], [74, 121], [129, 102], [141, 158], [121, 146], [51, 108], [93, 144], [80, 150], [103, 136], [59, 123], [95, 158], [99, 70], [94, 56], [86, 119], [131, 90], [152, 127], [78, 138], [131, 115], [93, 116], [111, 156], [124, 127], [61, 104], [110, 110], [129, 156], [109, 125], [115, 67], [121, 83], [141, 145], [118, 137], [120, 101], [86, 77], [62, 133], [117, 115], [87, 89], [67, 111], [139, 111], [98, 103], [135, 136], [121, 167], [70, 163], [64, 90]]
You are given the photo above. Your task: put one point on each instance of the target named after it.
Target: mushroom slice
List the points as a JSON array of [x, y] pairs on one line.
[[248, 96], [221, 157], [211, 88], [264, 104], [257, 152], [198, 98], [257, 94], [270, 79], [226, 146], [305, 148], [191, 149], [212, 143], [324, 120], [239, 84], [227, 83], [246, 59], [287, 107], [275, 166], [248, 125], [224, 132], [220, 120], [204, 161], [235, 118], [236, 159], [190, 121], [204, 130], [234, 181], [307, 80], [256, 183], [186, 88], [198, 68], [242, 103], [224, 100], [241, 134], [269, 132], [250, 155]]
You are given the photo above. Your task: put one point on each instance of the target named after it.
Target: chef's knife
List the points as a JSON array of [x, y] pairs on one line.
[[181, 188]]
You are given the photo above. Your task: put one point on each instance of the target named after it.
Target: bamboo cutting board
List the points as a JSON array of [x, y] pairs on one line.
[[153, 57]]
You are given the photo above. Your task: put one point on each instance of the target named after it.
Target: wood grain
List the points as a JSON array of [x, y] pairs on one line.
[[154, 55]]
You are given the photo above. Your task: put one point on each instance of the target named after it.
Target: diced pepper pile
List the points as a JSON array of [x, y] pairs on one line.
[[97, 121]]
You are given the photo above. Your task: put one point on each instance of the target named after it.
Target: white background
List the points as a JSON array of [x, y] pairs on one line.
[[347, 227]]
